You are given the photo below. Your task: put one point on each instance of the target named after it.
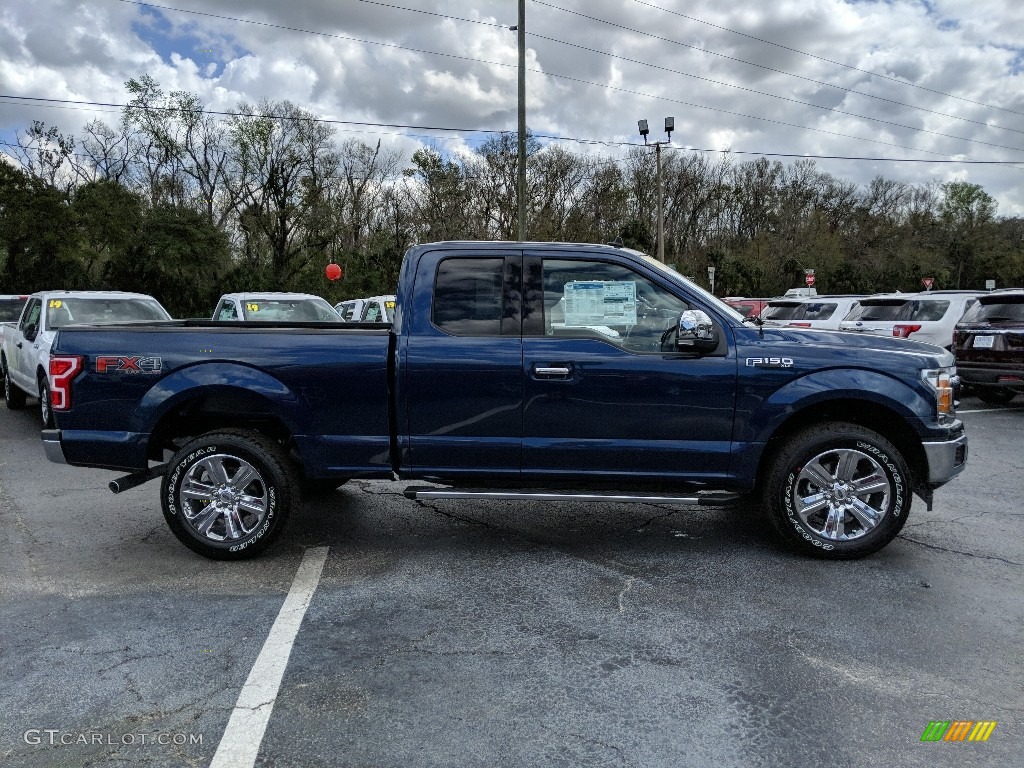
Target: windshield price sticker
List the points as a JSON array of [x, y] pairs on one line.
[[983, 342], [56, 304], [389, 304], [253, 307], [600, 302]]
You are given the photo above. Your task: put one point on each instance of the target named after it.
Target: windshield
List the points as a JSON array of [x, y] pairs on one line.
[[877, 310], [292, 310], [10, 309], [716, 302], [70, 310]]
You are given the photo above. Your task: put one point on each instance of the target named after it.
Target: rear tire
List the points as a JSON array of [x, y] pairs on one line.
[[837, 491], [14, 397], [227, 495], [995, 395], [45, 405]]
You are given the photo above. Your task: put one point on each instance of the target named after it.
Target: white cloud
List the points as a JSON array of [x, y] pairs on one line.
[[965, 56]]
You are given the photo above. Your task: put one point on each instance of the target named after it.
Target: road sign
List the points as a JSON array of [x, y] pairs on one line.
[[809, 279], [990, 285], [927, 282]]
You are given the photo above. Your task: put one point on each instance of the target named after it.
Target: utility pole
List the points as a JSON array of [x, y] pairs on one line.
[[670, 125], [521, 185]]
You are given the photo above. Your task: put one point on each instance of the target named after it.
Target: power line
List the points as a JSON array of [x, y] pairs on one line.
[[777, 71], [784, 98], [72, 104], [820, 58]]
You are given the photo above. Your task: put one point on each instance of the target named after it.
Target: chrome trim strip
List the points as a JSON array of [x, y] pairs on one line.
[[445, 493]]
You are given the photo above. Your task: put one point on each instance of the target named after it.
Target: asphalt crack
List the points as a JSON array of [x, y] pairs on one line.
[[959, 551]]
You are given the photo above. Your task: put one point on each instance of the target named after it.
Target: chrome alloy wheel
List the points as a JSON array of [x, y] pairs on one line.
[[224, 498], [842, 494]]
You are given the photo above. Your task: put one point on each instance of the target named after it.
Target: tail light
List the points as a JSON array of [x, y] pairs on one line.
[[904, 331], [63, 368]]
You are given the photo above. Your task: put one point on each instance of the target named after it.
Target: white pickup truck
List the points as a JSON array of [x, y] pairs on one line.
[[25, 350]]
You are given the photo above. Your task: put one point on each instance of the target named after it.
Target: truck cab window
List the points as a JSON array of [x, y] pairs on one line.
[[598, 300], [468, 297], [227, 311]]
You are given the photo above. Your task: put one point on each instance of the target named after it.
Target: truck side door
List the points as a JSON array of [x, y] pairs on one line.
[[608, 396], [460, 366]]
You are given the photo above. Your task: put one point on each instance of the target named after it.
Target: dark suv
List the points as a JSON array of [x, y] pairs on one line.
[[989, 346]]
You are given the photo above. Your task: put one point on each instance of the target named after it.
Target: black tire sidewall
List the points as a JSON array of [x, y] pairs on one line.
[[272, 469], [806, 445], [44, 401]]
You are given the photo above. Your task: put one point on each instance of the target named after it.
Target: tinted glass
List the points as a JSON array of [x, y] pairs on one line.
[[467, 296], [227, 311], [588, 299], [70, 310], [779, 311], [1002, 311], [10, 309], [923, 309], [814, 310], [876, 310]]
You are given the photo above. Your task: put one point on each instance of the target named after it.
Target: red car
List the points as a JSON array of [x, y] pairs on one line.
[[747, 307]]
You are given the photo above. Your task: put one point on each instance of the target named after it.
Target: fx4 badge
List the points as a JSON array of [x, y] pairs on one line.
[[122, 364], [770, 362]]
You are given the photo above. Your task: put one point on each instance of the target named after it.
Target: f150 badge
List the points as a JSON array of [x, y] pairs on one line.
[[124, 364], [770, 362]]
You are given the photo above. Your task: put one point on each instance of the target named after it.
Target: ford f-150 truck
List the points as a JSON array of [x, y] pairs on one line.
[[537, 371], [25, 345]]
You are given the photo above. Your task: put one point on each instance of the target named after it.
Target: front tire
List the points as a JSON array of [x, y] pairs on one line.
[[227, 495], [837, 491], [13, 396]]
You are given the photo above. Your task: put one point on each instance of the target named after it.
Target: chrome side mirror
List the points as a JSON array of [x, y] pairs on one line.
[[696, 332]]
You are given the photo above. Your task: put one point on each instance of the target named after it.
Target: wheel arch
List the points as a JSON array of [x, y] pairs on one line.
[[887, 422]]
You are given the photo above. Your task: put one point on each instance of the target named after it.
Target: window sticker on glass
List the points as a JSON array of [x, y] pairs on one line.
[[389, 304], [600, 302], [56, 303], [253, 307]]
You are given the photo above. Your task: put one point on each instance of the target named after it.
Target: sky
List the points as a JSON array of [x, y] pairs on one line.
[[881, 81]]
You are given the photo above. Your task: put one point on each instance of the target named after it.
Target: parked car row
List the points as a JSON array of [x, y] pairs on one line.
[[374, 309]]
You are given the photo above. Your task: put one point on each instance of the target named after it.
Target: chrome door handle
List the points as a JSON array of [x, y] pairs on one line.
[[553, 371]]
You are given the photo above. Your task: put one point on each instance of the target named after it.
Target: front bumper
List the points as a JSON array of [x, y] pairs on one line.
[[52, 447], [946, 459]]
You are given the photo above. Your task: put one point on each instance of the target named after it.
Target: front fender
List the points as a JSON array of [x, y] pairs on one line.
[[758, 418], [205, 379]]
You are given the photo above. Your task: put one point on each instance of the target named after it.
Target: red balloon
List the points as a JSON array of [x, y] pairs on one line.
[[333, 272]]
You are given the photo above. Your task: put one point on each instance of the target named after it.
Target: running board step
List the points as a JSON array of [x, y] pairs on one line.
[[426, 492]]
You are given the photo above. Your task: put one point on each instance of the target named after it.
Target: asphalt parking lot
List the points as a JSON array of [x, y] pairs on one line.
[[502, 634]]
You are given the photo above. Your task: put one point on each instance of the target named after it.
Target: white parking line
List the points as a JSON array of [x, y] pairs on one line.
[[240, 744], [992, 410]]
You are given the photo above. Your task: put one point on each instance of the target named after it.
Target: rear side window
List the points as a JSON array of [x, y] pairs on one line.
[[815, 310], [877, 310], [923, 309], [467, 297], [780, 311]]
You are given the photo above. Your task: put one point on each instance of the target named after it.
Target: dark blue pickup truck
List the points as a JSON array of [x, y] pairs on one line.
[[516, 371]]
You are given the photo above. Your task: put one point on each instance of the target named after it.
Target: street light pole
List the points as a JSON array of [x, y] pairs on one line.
[[670, 125], [521, 183]]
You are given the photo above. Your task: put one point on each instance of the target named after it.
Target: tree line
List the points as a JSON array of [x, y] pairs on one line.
[[186, 205]]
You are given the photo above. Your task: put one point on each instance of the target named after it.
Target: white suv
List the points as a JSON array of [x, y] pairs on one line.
[[818, 312], [929, 316]]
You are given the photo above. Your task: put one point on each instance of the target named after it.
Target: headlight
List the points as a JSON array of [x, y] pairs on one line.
[[942, 380]]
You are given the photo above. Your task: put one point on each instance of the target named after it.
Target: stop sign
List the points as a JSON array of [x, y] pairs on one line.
[[810, 280]]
